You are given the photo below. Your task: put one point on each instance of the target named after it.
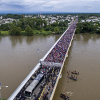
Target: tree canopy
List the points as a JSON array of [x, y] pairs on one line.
[[29, 31], [56, 30], [14, 30], [88, 27]]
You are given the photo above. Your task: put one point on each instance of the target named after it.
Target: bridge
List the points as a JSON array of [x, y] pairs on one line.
[[50, 67]]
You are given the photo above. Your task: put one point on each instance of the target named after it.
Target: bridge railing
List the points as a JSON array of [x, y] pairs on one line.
[[23, 83]]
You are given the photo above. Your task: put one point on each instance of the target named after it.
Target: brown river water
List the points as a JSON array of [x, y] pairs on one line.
[[19, 55]]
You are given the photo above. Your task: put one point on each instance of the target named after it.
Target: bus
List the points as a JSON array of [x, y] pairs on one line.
[[29, 90]]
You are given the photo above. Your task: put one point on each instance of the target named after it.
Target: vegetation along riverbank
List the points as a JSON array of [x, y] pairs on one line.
[[34, 25], [88, 23]]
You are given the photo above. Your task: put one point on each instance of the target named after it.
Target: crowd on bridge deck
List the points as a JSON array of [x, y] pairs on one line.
[[48, 85], [58, 53], [50, 75]]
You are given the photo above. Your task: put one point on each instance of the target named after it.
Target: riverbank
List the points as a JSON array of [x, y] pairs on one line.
[[35, 32], [88, 33], [4, 33]]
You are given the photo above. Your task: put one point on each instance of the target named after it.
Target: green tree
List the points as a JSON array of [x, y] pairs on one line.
[[0, 33], [96, 26], [54, 24], [77, 31], [18, 31], [29, 31], [98, 31], [14, 31], [4, 27], [56, 30], [21, 24], [45, 23]]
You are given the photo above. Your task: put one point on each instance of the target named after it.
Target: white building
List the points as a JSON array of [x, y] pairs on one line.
[[88, 20], [1, 17], [82, 20], [7, 22], [42, 16]]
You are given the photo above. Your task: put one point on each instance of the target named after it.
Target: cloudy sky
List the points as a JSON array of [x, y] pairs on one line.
[[32, 6]]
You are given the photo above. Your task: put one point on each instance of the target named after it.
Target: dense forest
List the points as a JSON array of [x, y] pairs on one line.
[[88, 27]]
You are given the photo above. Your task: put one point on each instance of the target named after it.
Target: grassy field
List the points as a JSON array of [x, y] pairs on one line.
[[35, 32], [41, 32], [4, 33]]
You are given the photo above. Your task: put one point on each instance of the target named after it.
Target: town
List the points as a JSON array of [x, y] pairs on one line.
[[49, 18]]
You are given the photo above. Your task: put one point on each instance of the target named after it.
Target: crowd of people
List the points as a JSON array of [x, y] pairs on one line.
[[50, 76], [58, 53], [49, 82]]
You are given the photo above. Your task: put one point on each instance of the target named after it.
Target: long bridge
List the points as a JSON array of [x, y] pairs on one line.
[[42, 81]]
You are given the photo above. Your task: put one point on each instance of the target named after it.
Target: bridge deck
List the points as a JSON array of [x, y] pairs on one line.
[[56, 55]]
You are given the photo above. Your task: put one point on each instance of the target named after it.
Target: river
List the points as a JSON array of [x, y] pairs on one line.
[[19, 55]]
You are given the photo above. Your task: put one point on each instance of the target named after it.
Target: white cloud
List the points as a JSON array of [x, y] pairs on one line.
[[88, 6], [49, 5]]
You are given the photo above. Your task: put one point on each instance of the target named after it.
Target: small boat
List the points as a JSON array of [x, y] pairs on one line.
[[64, 96], [75, 72], [75, 79]]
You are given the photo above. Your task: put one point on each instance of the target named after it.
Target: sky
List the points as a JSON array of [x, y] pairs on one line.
[[39, 6]]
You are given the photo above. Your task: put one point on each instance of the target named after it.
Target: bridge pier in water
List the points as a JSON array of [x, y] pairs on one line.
[[54, 61]]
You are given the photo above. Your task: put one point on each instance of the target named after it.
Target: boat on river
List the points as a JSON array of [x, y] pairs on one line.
[[62, 95], [73, 78], [75, 72]]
